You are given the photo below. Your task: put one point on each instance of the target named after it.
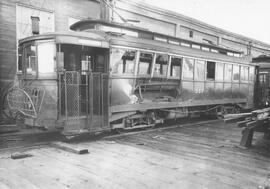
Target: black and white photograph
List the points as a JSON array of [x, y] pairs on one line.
[[134, 94]]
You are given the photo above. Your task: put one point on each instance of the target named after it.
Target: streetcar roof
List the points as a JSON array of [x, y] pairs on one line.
[[157, 46], [72, 37], [264, 65], [88, 24]]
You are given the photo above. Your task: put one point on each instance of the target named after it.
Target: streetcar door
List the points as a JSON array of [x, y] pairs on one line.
[[98, 91], [83, 88], [264, 88]]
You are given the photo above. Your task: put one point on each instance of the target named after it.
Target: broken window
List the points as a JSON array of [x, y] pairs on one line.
[[123, 61], [161, 65], [199, 70], [145, 63], [175, 67], [188, 68]]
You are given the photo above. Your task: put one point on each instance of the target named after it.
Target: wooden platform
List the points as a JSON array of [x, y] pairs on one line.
[[196, 156]]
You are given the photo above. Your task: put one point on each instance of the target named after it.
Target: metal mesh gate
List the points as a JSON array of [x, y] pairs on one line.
[[83, 101]]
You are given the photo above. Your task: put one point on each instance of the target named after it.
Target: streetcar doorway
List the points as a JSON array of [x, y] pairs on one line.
[[83, 87]]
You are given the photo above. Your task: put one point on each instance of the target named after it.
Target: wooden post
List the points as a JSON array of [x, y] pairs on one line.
[[247, 136]]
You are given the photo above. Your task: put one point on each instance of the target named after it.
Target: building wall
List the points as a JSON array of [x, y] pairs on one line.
[[180, 26], [16, 14]]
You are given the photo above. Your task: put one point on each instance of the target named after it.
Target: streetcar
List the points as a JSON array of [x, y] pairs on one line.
[[104, 75], [262, 87]]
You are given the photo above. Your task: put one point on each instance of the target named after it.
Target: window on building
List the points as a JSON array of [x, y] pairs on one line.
[[195, 46], [214, 50], [191, 34], [211, 69], [159, 38], [175, 68], [161, 65], [229, 53], [199, 70], [205, 49], [236, 54], [123, 61], [174, 42], [24, 22], [185, 44], [188, 68], [145, 63]]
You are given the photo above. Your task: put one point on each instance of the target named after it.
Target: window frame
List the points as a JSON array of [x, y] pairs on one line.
[[25, 73], [180, 66], [233, 80], [224, 79], [134, 66], [46, 74], [206, 70], [148, 75], [251, 77], [182, 75], [244, 80], [154, 66], [223, 65], [195, 69]]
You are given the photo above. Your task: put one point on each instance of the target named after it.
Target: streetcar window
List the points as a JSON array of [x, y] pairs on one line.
[[161, 65], [46, 54], [188, 68], [244, 73], [123, 61], [251, 74], [262, 78], [211, 67], [219, 71], [175, 67], [86, 62], [236, 74], [20, 67], [30, 60], [199, 70], [227, 72], [145, 63]]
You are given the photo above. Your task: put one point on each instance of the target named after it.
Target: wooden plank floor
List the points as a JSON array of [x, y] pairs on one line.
[[203, 156]]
